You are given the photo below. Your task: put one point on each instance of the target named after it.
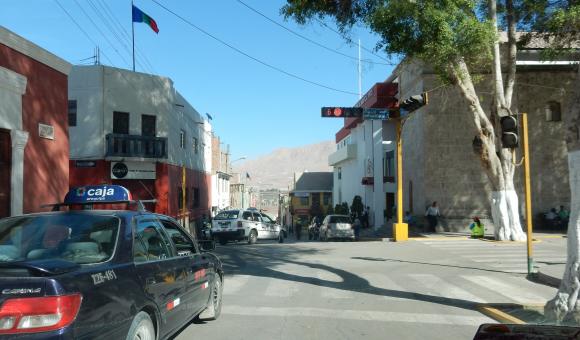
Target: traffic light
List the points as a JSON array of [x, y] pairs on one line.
[[413, 103], [342, 112], [509, 132]]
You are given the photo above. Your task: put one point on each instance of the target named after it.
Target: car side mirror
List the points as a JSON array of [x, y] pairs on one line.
[[206, 245]]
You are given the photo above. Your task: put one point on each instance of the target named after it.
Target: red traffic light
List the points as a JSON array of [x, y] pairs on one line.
[[341, 112]]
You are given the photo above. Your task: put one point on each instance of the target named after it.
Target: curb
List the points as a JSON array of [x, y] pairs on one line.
[[374, 239], [545, 279], [498, 315]]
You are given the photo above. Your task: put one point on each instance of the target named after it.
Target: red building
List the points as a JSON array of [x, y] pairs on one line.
[[34, 144]]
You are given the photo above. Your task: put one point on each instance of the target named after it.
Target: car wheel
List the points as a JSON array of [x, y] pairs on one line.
[[141, 328], [214, 308], [253, 236], [223, 241]]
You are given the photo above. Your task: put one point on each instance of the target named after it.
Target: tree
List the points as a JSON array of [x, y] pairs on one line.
[[357, 206], [558, 24], [330, 210], [456, 39]]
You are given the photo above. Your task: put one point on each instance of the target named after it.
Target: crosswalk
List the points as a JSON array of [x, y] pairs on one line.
[[474, 288], [504, 257]]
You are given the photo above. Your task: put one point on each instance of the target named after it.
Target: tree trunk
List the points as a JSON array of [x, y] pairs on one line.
[[504, 201], [565, 306]]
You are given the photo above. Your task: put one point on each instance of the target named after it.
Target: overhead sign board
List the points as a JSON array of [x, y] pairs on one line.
[[380, 114]]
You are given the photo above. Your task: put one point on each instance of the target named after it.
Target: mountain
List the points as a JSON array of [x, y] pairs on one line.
[[276, 169]]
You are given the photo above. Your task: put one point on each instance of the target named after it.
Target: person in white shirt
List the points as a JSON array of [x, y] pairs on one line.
[[432, 215]]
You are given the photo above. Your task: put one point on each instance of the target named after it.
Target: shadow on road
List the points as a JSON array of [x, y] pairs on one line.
[[429, 264], [251, 260]]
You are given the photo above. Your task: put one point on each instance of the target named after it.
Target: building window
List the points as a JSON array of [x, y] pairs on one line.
[[121, 123], [148, 125], [72, 113], [339, 170], [195, 145], [179, 198], [196, 200], [182, 139], [389, 167], [327, 198], [553, 112], [304, 201]]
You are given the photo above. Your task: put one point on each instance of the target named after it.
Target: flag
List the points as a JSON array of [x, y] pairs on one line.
[[208, 116], [248, 176], [140, 16]]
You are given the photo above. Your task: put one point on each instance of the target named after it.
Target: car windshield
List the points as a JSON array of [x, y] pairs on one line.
[[340, 219], [227, 215], [79, 238]]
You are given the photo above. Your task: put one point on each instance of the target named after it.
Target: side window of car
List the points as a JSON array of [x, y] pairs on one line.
[[267, 219], [247, 216], [150, 244], [183, 243], [257, 217]]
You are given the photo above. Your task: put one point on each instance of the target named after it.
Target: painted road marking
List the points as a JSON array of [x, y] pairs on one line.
[[356, 315], [234, 283], [439, 287], [513, 292], [382, 281], [281, 288]]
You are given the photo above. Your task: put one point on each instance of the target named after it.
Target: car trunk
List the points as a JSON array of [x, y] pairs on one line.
[[340, 226]]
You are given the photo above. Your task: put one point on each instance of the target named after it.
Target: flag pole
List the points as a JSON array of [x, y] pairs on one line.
[[133, 31]]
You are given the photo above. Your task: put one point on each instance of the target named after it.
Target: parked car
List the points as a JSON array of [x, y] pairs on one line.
[[103, 274], [245, 225], [314, 229], [336, 227]]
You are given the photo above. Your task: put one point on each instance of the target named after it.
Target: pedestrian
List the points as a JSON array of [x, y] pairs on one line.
[[564, 216], [357, 226], [477, 228], [432, 215], [365, 218], [409, 219], [298, 231]]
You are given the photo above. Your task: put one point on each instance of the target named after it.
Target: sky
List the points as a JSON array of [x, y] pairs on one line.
[[255, 109]]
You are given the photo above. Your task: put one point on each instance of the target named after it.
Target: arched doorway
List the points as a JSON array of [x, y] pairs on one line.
[[5, 169]]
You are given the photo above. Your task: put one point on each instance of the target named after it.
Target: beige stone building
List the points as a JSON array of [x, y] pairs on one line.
[[439, 164]]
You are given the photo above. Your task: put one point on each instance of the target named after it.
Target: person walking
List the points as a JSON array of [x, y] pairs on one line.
[[477, 228], [357, 226], [432, 215]]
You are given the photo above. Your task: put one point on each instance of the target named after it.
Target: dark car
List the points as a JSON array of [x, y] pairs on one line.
[[108, 274]]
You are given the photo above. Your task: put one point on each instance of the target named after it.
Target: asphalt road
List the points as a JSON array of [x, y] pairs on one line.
[[425, 289]]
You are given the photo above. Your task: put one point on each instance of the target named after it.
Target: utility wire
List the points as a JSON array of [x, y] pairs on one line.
[[308, 39], [109, 13], [101, 32], [349, 40], [249, 56]]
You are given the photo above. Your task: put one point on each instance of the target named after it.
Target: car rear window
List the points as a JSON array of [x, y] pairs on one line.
[[227, 215], [79, 238], [340, 219]]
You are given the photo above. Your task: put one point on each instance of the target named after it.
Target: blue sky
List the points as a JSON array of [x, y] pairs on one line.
[[255, 108]]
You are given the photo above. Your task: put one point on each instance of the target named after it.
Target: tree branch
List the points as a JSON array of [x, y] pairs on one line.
[[496, 68]]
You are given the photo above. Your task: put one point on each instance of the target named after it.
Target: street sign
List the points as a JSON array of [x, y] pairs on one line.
[[379, 114]]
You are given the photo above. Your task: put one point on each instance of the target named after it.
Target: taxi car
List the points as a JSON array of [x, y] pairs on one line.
[[107, 274]]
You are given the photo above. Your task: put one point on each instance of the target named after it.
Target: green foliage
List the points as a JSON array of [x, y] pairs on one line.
[[330, 210], [438, 33], [341, 209]]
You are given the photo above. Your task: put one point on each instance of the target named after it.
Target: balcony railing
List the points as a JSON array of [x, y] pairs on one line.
[[119, 145]]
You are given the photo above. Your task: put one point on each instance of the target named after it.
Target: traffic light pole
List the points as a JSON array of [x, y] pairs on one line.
[[400, 229], [528, 192]]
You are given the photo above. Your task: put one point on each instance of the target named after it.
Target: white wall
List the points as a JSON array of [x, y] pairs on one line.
[[100, 90]]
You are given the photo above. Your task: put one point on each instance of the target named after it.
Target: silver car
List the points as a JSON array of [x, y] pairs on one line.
[[336, 227], [244, 225]]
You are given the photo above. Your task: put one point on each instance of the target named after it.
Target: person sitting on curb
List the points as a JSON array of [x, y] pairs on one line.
[[477, 229]]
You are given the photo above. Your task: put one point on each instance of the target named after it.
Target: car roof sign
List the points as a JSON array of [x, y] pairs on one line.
[[97, 194]]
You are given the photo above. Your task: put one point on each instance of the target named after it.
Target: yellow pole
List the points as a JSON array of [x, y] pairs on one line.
[[528, 191], [401, 230]]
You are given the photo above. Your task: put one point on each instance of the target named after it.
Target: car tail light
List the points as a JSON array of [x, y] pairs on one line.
[[240, 224], [38, 314]]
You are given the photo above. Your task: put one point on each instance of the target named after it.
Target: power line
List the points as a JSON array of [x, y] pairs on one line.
[[124, 33], [308, 39], [101, 32], [249, 56], [349, 40], [111, 29]]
